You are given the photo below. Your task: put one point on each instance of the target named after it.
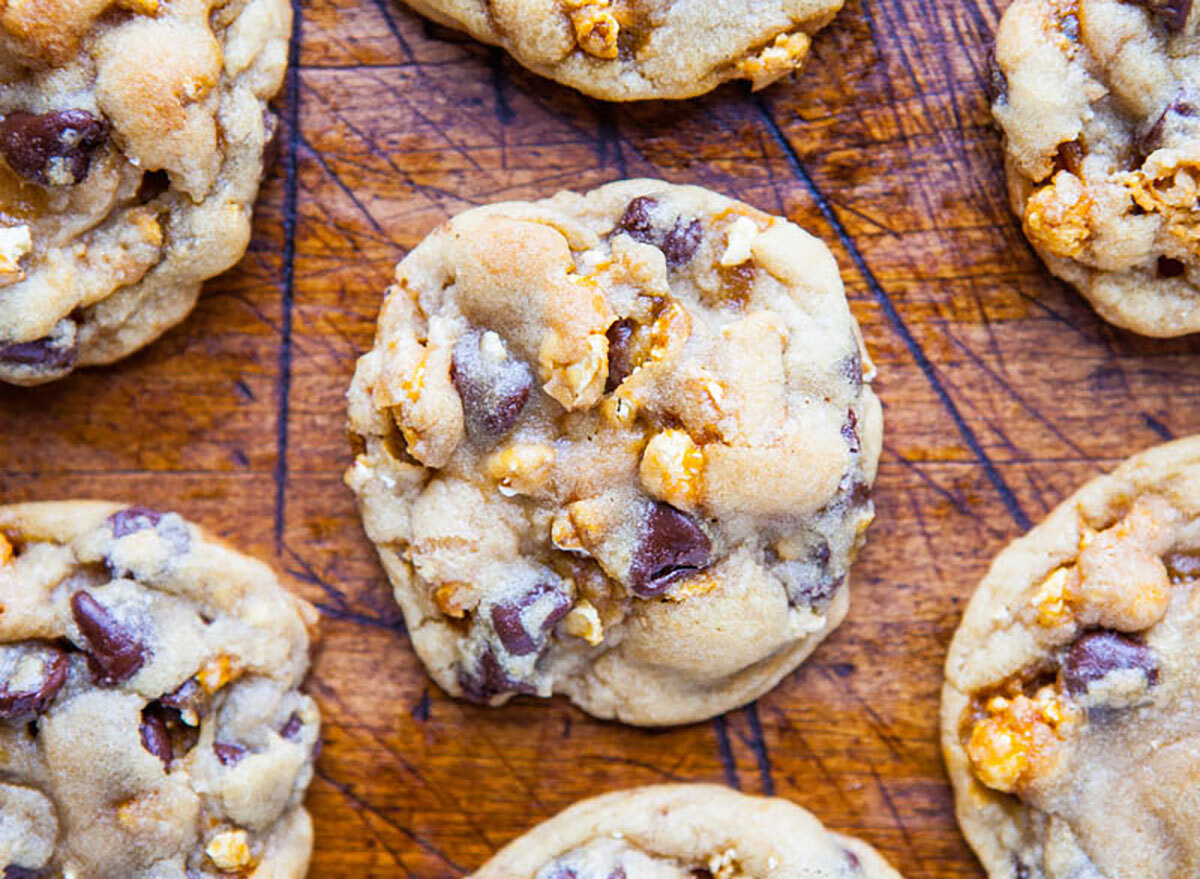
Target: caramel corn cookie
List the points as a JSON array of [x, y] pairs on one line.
[[150, 721], [618, 446], [1070, 724], [682, 831], [132, 136], [625, 50], [1099, 103]]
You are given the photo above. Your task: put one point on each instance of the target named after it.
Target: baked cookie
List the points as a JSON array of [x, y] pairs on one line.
[[132, 135], [1070, 723], [618, 446], [683, 831], [150, 721], [626, 50], [1099, 101]]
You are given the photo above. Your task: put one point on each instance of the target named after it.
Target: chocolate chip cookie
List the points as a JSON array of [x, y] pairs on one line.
[[132, 135], [684, 831], [618, 446], [624, 50], [150, 721], [1070, 724], [1099, 102]]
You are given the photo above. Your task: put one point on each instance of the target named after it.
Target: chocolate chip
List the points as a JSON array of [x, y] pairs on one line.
[[852, 858], [681, 243], [1099, 653], [678, 244], [620, 357], [489, 680], [494, 390], [672, 546], [31, 700], [114, 654], [12, 871], [133, 519], [229, 755], [1183, 566], [997, 83], [512, 628], [188, 698], [291, 729], [53, 147], [850, 432], [44, 354], [1069, 158], [1173, 12], [1170, 268], [1021, 871], [155, 737]]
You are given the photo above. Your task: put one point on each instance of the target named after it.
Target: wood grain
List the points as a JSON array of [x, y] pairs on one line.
[[1002, 390]]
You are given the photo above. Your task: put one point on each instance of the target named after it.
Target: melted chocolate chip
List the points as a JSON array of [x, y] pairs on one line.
[[133, 519], [620, 357], [188, 698], [1170, 268], [672, 547], [34, 701], [291, 729], [493, 390], [155, 737], [678, 244], [1099, 653], [997, 83], [171, 529], [12, 871], [1173, 12], [850, 432], [114, 654], [489, 680], [229, 755], [43, 354], [53, 147], [508, 619]]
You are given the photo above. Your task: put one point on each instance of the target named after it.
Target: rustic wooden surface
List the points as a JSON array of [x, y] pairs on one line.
[[1002, 390]]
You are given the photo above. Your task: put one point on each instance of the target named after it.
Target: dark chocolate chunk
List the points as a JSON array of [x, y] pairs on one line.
[[291, 729], [681, 243], [508, 619], [1069, 158], [114, 654], [489, 679], [678, 244], [171, 529], [33, 701], [850, 432], [43, 354], [34, 144], [1101, 652], [1174, 13], [672, 547], [188, 698], [620, 357], [12, 871], [636, 220], [133, 519], [229, 755], [155, 737], [493, 391]]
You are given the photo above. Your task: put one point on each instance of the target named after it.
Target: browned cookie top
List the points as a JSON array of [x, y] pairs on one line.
[[150, 721]]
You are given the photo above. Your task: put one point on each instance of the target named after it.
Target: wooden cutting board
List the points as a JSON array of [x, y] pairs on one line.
[[1002, 391]]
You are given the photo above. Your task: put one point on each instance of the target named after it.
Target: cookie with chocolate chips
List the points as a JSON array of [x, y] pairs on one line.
[[150, 718], [1070, 724], [1099, 102], [618, 446], [132, 139], [685, 831], [625, 50]]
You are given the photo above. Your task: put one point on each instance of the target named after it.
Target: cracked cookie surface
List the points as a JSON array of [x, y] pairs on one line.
[[1069, 721], [622, 50], [150, 721], [1099, 102], [683, 831], [132, 137], [617, 446]]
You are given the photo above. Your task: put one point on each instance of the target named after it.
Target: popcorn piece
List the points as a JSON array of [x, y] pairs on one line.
[[724, 865], [16, 243], [1020, 739], [620, 411], [6, 551], [671, 468], [738, 238], [670, 331], [563, 534], [596, 28], [522, 468], [781, 57], [229, 850], [1056, 216], [584, 622], [1170, 186], [1051, 601], [217, 672], [455, 599]]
